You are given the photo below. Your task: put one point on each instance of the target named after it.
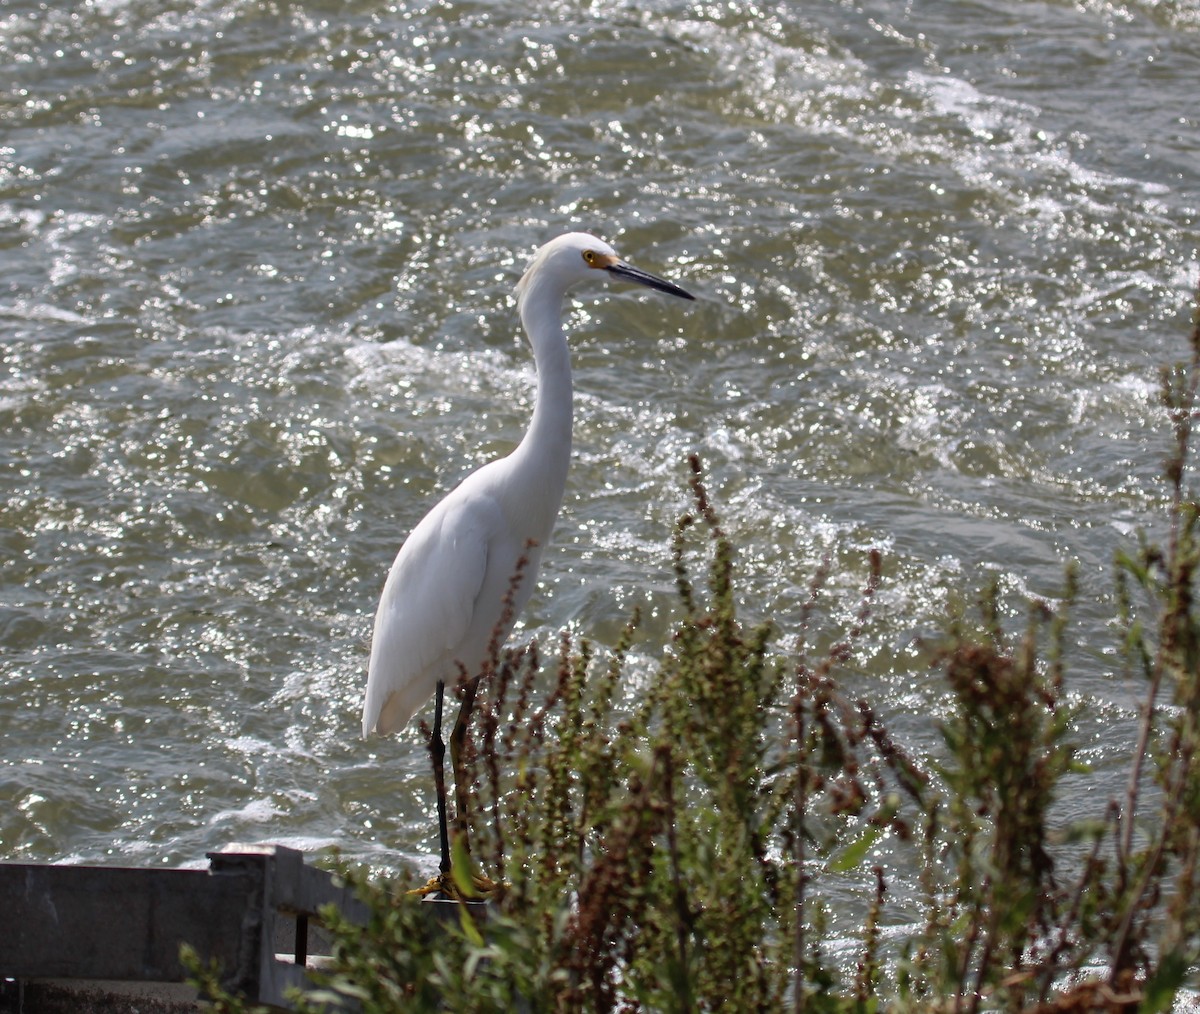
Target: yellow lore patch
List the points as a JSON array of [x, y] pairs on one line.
[[594, 259]]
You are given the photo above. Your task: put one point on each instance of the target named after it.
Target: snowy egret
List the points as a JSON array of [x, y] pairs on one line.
[[451, 588]]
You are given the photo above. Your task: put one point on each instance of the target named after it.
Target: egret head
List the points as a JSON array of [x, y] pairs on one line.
[[577, 256]]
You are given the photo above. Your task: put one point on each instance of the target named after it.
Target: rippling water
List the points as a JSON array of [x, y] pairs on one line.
[[256, 263]]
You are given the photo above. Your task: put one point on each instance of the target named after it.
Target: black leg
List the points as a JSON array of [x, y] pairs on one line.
[[437, 750]]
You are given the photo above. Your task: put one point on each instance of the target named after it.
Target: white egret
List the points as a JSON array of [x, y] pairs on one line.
[[445, 596]]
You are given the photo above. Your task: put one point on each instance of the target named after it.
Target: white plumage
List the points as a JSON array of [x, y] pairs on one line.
[[445, 593]]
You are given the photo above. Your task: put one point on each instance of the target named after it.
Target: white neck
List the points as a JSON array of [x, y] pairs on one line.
[[544, 453]]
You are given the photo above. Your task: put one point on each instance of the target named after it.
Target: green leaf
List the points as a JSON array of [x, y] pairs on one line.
[[462, 866], [469, 927], [1164, 984], [852, 854]]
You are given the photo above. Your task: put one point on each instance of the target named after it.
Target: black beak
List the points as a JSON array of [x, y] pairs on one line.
[[632, 274]]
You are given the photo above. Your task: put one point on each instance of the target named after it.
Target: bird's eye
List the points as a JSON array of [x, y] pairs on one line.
[[590, 258]]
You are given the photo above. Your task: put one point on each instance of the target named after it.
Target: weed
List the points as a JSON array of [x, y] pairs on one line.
[[667, 834]]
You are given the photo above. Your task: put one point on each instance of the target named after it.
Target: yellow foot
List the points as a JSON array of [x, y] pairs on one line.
[[478, 887]]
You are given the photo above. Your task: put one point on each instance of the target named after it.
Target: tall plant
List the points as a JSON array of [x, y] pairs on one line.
[[666, 834]]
